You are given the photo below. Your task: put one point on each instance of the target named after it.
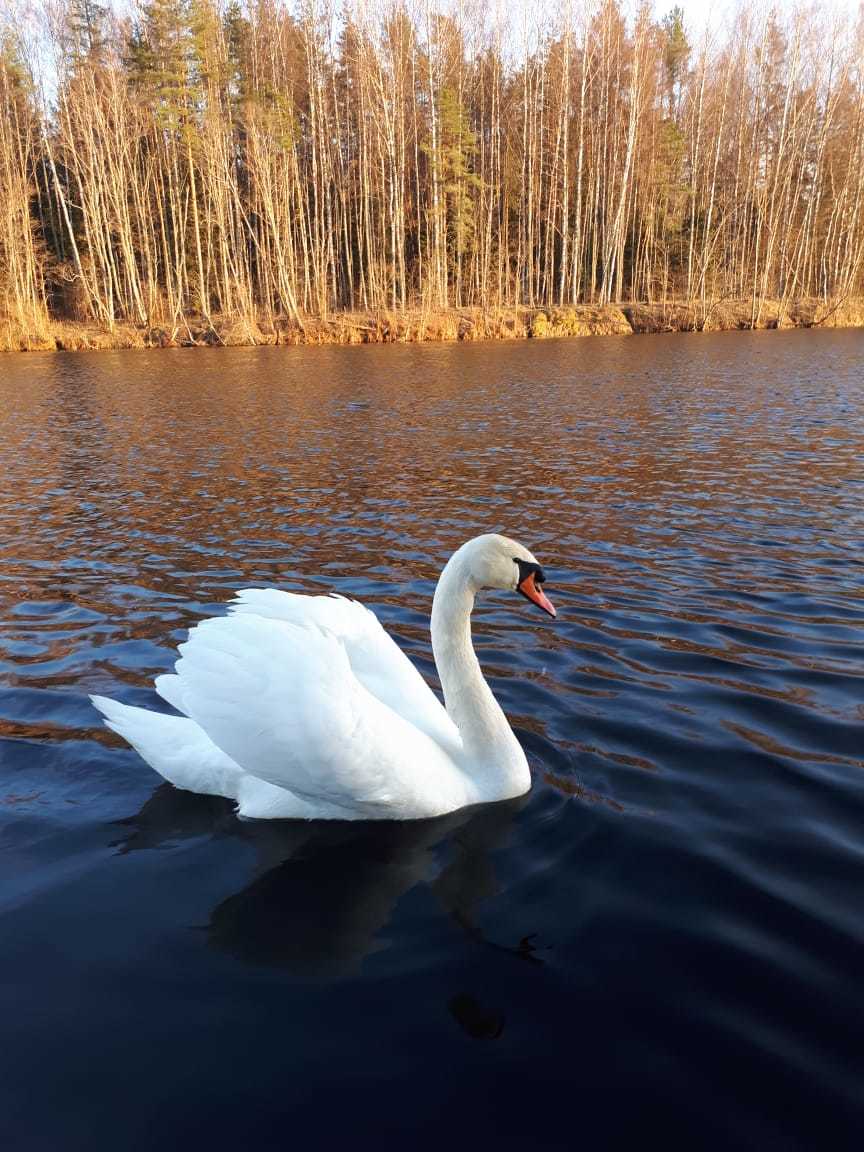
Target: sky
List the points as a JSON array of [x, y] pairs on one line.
[[698, 13]]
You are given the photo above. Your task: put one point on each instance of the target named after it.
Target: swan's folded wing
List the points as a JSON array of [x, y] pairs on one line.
[[282, 701], [375, 658]]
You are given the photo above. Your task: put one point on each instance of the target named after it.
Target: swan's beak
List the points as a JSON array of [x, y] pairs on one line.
[[532, 591]]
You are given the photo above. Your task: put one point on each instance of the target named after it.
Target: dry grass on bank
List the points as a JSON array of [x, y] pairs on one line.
[[738, 315], [417, 327]]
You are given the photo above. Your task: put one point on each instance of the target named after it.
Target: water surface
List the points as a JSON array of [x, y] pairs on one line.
[[663, 941]]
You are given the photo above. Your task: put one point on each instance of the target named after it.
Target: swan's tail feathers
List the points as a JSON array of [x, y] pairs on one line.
[[175, 746], [131, 723]]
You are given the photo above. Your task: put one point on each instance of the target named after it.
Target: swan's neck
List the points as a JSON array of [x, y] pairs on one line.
[[489, 743]]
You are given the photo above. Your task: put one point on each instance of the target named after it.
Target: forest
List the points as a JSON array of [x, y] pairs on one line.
[[211, 171]]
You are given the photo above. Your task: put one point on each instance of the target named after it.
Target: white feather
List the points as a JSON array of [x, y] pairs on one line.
[[303, 706], [283, 702], [185, 755], [375, 659]]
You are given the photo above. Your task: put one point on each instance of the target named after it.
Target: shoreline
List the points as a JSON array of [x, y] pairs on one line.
[[450, 326]]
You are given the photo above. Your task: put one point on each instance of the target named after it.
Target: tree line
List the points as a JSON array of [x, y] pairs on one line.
[[203, 159]]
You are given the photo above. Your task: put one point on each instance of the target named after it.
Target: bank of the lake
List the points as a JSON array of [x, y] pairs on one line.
[[419, 326]]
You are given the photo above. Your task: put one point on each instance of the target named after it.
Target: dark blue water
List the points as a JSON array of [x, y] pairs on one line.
[[663, 943]]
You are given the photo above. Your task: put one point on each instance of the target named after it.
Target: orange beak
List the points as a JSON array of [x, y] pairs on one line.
[[531, 591]]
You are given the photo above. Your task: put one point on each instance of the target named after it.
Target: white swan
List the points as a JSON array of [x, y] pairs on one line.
[[303, 706]]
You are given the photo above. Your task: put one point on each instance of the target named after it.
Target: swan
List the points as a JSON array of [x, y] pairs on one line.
[[303, 707]]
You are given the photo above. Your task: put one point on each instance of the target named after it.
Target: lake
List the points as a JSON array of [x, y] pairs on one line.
[[663, 941]]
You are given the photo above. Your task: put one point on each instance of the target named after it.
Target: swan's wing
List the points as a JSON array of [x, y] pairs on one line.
[[170, 688], [283, 702], [376, 660]]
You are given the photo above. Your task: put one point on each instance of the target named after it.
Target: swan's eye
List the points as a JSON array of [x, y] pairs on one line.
[[526, 569]]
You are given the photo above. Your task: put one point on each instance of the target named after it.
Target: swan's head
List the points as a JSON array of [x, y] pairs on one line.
[[494, 561]]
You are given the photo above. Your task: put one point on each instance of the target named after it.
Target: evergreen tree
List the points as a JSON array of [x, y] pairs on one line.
[[676, 56]]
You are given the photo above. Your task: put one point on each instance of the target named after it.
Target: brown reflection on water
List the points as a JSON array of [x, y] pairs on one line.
[[269, 446]]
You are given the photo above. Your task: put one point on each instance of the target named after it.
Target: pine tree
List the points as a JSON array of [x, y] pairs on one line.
[[676, 56]]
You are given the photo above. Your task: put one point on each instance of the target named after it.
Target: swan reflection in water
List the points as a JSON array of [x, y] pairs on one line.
[[323, 892]]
